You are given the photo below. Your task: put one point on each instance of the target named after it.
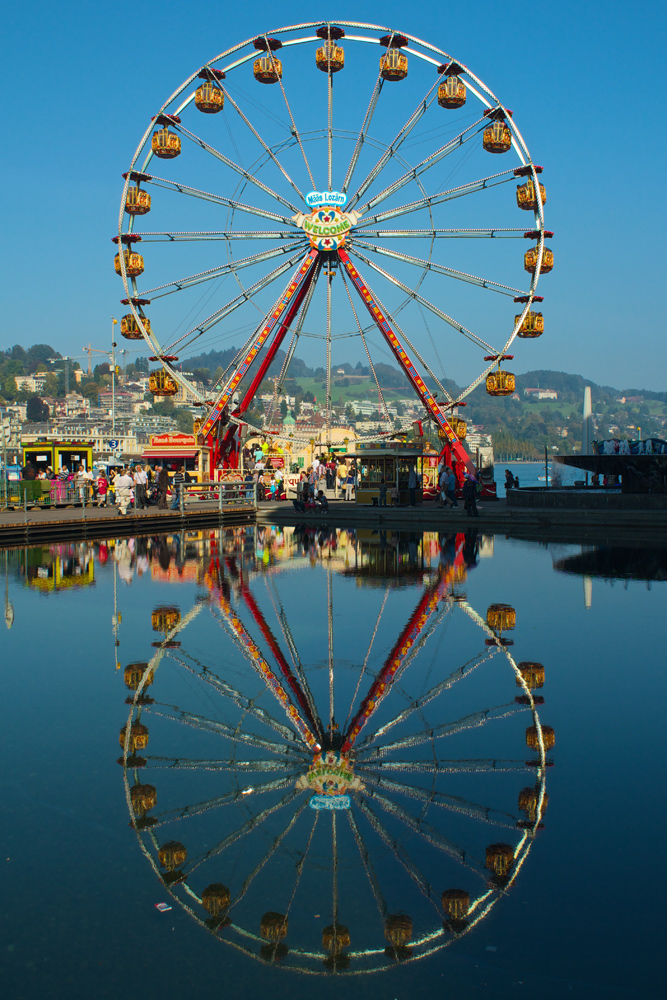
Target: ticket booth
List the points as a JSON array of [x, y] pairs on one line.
[[173, 450], [57, 454], [392, 462]]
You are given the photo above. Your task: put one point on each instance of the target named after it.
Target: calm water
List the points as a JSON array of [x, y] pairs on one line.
[[489, 714]]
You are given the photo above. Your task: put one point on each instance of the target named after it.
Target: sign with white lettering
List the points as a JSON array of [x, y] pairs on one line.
[[315, 199]]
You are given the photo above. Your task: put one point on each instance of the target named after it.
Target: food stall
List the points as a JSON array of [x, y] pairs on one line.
[[175, 449]]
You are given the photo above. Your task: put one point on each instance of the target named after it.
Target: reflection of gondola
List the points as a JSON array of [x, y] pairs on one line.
[[331, 816], [618, 563]]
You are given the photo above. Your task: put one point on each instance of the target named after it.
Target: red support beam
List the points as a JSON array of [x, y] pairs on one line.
[[266, 330]]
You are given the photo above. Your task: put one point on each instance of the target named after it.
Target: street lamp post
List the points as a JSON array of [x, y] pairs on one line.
[[113, 378]]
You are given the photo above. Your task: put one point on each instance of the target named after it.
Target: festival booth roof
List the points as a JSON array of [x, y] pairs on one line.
[[173, 446]]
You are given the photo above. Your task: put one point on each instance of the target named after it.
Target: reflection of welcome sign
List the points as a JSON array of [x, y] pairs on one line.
[[316, 198]]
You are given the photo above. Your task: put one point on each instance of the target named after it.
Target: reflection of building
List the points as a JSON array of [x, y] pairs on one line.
[[59, 567]]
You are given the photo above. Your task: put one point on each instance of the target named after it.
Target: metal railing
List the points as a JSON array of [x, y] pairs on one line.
[[224, 494]]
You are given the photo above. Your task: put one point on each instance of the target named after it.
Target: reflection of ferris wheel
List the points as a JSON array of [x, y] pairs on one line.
[[323, 845], [306, 212]]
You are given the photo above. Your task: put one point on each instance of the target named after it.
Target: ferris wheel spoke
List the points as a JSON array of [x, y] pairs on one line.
[[395, 144], [434, 692], [218, 199], [471, 721], [267, 149], [426, 164], [430, 234], [363, 132], [396, 849], [227, 731], [367, 864], [428, 265], [185, 812], [426, 831], [159, 291], [242, 701], [227, 236], [295, 131], [226, 764], [247, 176], [443, 766], [428, 201], [192, 335], [243, 831], [268, 855], [364, 665], [368, 353], [414, 294], [330, 276], [453, 803]]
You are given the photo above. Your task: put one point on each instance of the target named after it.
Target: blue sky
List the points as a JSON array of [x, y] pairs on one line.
[[82, 80]]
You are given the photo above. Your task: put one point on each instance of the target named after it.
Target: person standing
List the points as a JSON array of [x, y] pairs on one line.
[[162, 487], [470, 495], [140, 482], [382, 499], [123, 485], [349, 483], [177, 486], [450, 488], [102, 487], [412, 484]]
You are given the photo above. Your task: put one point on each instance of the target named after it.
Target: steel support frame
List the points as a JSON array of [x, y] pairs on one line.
[[404, 361], [285, 302]]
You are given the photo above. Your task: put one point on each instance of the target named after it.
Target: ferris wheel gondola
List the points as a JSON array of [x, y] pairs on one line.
[[313, 201]]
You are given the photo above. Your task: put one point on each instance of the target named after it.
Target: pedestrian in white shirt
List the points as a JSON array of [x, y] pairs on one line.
[[123, 485], [140, 481]]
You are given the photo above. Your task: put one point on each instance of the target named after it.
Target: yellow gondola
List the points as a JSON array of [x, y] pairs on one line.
[[268, 68], [137, 201], [452, 91], [530, 260], [497, 137], [165, 144], [129, 328], [500, 383], [160, 383], [209, 98], [525, 195], [134, 263], [393, 64], [532, 326]]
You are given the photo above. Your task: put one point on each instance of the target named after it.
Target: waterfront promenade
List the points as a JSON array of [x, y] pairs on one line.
[[567, 523]]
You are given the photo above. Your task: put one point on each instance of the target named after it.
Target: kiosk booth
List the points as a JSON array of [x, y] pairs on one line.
[[58, 454], [172, 450], [392, 462]]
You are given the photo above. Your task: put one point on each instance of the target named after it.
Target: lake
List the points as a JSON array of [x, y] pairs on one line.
[[408, 764]]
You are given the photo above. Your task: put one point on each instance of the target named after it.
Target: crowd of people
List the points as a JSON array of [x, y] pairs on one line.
[[134, 487]]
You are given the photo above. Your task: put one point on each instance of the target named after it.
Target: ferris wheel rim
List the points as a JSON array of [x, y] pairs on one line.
[[483, 94], [423, 945]]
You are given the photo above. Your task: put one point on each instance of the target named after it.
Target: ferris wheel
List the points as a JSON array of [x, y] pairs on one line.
[[326, 183], [335, 820]]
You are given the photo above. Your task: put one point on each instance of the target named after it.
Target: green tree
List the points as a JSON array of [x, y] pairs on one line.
[[184, 419]]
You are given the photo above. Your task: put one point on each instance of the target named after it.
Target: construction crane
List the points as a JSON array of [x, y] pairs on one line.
[[93, 350]]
